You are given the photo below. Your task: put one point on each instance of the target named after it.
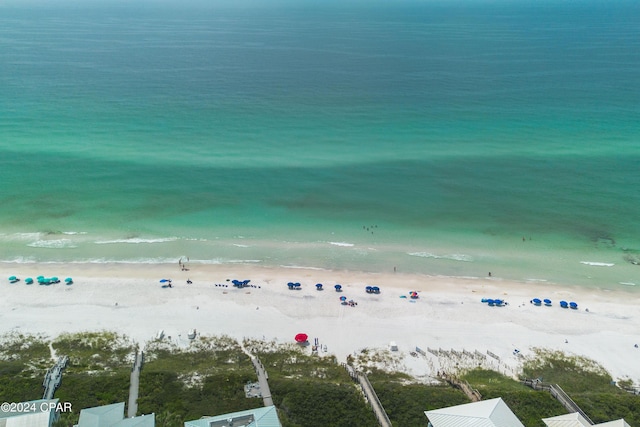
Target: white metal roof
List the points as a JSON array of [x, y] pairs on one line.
[[567, 420], [486, 413], [617, 423]]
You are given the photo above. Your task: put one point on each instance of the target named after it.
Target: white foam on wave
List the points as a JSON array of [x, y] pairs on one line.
[[627, 283], [453, 257], [53, 244], [242, 261], [597, 264], [71, 233], [302, 267], [345, 244], [241, 246], [136, 240]]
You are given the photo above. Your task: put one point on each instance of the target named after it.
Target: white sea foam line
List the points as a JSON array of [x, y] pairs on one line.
[[52, 244], [74, 232], [627, 283], [453, 257], [597, 264], [136, 240], [345, 244], [302, 267], [241, 246]]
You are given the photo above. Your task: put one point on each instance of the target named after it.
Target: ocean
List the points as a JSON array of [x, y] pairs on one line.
[[437, 137]]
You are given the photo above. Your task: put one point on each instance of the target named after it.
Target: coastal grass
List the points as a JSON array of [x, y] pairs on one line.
[[405, 400], [311, 390], [588, 384], [204, 379], [93, 352], [528, 405]]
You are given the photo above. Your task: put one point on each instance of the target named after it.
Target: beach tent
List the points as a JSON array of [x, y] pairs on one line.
[[300, 338]]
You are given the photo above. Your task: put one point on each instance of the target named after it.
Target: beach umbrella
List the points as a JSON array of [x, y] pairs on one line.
[[564, 304], [164, 280], [343, 298], [28, 280], [369, 288], [54, 279], [537, 301], [12, 278], [573, 304], [547, 301], [68, 280], [300, 338], [297, 285], [375, 289], [41, 279], [319, 286], [338, 287]]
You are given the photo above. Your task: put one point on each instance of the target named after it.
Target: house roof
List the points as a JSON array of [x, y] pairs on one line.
[[617, 423], [567, 420], [577, 420], [101, 416], [259, 417], [486, 413]]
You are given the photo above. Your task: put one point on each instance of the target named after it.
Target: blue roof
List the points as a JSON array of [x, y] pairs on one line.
[[262, 417]]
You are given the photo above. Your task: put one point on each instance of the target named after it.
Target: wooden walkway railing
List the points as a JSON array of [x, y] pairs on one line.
[[370, 395], [559, 394]]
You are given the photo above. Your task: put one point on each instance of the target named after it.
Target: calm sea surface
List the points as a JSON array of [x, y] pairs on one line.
[[440, 137]]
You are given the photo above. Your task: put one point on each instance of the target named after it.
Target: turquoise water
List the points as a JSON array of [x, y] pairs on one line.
[[436, 137]]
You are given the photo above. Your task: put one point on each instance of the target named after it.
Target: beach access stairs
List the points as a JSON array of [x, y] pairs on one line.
[[134, 384], [559, 394], [370, 395], [53, 377]]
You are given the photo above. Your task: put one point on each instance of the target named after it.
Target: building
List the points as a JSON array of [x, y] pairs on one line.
[[259, 417], [112, 416], [485, 413], [34, 413], [577, 420]]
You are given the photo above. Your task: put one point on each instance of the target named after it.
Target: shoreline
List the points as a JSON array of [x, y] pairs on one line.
[[449, 314]]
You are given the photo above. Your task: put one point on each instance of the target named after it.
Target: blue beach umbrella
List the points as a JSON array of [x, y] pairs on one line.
[[547, 301], [536, 301], [319, 286], [68, 280], [573, 305], [164, 280], [498, 302], [28, 281], [343, 298], [338, 287], [564, 304], [375, 289]]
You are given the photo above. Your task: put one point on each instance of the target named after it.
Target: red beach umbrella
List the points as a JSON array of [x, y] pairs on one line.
[[301, 337]]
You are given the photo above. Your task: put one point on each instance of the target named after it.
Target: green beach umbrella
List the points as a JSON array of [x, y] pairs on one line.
[[54, 279], [68, 280], [28, 280], [12, 278]]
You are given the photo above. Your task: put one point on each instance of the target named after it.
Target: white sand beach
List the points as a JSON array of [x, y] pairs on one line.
[[448, 315]]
